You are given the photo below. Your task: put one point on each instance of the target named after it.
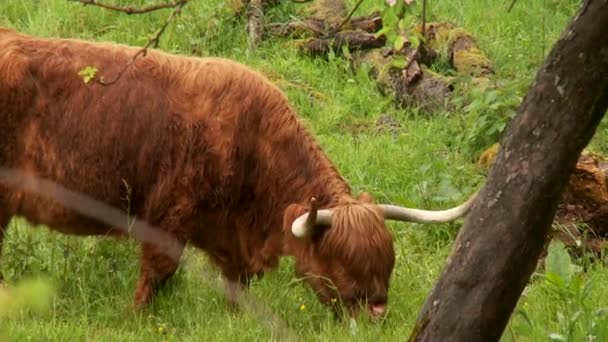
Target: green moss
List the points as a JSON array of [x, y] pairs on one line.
[[472, 61], [437, 76], [380, 65], [332, 12], [443, 37]]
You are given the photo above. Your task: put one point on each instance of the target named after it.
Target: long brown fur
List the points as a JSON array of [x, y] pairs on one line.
[[207, 149]]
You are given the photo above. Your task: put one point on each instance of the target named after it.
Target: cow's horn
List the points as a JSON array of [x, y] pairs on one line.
[[392, 212], [303, 226]]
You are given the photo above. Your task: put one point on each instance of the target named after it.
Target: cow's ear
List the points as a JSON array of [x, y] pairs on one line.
[[366, 197]]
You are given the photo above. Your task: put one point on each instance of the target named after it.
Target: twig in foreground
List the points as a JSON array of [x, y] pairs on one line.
[[350, 15], [132, 10], [154, 40]]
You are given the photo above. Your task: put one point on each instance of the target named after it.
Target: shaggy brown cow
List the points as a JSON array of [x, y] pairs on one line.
[[210, 151]]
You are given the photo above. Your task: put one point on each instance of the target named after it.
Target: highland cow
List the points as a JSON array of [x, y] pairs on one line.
[[206, 150]]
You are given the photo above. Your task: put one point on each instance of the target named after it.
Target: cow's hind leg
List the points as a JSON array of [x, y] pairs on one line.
[[156, 268], [4, 220]]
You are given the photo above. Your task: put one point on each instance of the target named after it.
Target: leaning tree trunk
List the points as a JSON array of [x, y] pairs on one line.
[[502, 238]]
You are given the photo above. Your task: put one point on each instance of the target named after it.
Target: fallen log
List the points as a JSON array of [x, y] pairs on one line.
[[413, 85], [458, 47], [315, 27], [404, 73], [353, 40], [581, 220]]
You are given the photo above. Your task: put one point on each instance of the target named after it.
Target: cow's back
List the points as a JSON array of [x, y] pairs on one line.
[[164, 124]]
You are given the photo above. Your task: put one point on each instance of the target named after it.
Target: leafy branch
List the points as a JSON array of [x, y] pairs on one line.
[[154, 40], [133, 10]]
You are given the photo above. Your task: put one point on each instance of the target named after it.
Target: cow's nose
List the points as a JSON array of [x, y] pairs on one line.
[[377, 310]]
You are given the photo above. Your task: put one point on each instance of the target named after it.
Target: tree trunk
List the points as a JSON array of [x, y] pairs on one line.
[[502, 238], [255, 22]]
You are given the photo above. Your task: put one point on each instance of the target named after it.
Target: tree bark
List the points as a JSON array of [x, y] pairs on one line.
[[502, 238], [255, 22]]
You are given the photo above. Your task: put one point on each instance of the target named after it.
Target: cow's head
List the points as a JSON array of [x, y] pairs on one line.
[[346, 253]]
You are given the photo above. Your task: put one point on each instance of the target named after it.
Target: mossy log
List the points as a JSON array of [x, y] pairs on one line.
[[458, 46], [314, 27], [413, 86], [431, 92], [331, 12], [354, 40]]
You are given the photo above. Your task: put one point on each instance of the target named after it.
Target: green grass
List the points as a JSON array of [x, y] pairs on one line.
[[421, 166]]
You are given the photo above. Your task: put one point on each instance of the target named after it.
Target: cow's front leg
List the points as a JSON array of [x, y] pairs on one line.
[[156, 268], [235, 288]]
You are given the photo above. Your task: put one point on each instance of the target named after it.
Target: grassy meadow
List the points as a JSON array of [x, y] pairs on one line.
[[429, 163]]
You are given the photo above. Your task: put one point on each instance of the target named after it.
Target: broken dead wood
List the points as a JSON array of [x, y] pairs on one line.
[[354, 40], [298, 29], [432, 92], [581, 221], [331, 12], [413, 86], [405, 74], [368, 23], [318, 28], [583, 212]]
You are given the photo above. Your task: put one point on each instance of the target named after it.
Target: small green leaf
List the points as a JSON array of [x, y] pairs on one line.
[[525, 316], [576, 316], [87, 73], [586, 289], [558, 261], [555, 279], [414, 40], [381, 32], [346, 51], [399, 62], [601, 312], [556, 337], [354, 329], [399, 42]]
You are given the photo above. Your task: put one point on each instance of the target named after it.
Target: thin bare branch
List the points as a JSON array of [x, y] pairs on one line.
[[424, 18], [350, 15], [133, 10], [153, 40], [115, 218]]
